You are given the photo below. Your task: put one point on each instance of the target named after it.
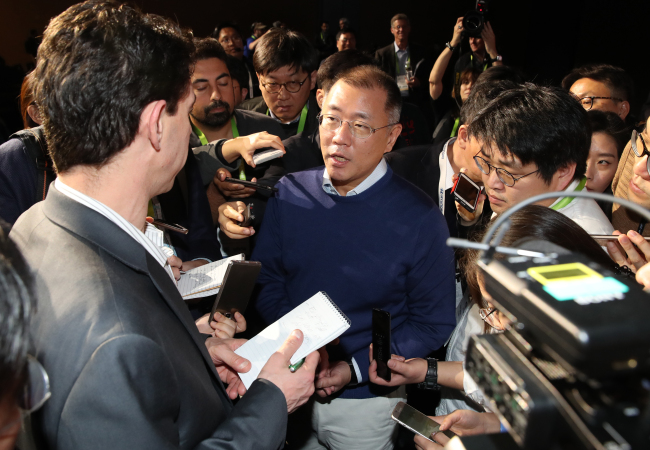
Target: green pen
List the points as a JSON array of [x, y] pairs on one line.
[[296, 366]]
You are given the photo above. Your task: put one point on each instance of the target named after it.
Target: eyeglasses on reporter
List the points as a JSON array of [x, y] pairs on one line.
[[637, 136], [359, 129], [504, 176], [588, 102], [290, 86]]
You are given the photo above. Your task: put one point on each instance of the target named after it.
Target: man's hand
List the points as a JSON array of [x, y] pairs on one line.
[[490, 40], [221, 326], [228, 363], [466, 215], [175, 263], [413, 82], [333, 378], [643, 277], [229, 214], [458, 33], [189, 265], [402, 371], [233, 190], [636, 250], [298, 386], [462, 422], [245, 146]]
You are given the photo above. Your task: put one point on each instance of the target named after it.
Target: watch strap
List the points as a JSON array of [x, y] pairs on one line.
[[431, 379], [448, 45], [353, 375]]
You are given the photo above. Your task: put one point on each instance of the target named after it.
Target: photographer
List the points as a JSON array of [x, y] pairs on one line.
[[483, 54]]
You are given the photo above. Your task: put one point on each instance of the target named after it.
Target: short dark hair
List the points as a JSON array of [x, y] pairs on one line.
[[226, 24], [611, 124], [470, 73], [616, 79], [237, 71], [399, 16], [16, 307], [541, 125], [99, 65], [338, 63], [500, 73], [209, 47], [279, 48], [372, 77], [345, 30], [481, 95]]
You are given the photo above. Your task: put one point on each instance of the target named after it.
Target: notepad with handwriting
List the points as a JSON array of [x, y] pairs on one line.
[[320, 321], [205, 280]]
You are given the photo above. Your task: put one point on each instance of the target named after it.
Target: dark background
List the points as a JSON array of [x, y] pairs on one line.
[[543, 38]]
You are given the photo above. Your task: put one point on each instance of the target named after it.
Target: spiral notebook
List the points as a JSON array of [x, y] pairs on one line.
[[205, 280], [320, 321]]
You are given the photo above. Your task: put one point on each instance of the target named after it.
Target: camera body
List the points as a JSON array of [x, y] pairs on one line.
[[474, 21]]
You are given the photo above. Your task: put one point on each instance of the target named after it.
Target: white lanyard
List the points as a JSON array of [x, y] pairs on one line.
[[442, 182]]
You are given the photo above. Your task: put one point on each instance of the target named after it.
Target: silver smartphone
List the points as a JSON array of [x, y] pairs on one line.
[[417, 422]]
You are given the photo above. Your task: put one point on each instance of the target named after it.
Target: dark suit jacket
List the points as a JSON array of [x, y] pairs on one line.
[[258, 104], [127, 365], [385, 56]]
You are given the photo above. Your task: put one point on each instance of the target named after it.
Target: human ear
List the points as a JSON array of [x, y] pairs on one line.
[[463, 137], [623, 109], [320, 96], [152, 116], [565, 176], [313, 76], [395, 131]]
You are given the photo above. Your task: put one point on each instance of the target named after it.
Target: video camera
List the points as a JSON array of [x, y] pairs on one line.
[[474, 21], [573, 369]]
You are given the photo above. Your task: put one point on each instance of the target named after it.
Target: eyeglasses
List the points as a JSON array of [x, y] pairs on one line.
[[588, 102], [291, 86], [506, 177], [635, 149], [358, 129], [488, 316], [34, 392]]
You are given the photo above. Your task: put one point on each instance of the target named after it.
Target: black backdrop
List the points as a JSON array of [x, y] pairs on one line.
[[543, 38]]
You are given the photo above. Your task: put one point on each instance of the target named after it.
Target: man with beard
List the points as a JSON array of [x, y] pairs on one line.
[[214, 120], [229, 37]]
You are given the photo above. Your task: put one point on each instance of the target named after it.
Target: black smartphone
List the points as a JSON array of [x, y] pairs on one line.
[[414, 420], [466, 192], [171, 226], [236, 288], [251, 184], [381, 341]]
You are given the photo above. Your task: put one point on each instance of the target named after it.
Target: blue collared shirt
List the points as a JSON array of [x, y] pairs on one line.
[[375, 176]]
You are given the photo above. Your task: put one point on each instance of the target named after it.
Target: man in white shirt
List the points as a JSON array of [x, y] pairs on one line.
[[127, 365], [531, 140]]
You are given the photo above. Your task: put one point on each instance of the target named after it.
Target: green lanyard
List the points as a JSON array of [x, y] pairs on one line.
[[199, 133], [408, 63], [235, 134], [454, 130], [471, 58], [566, 200], [303, 118]]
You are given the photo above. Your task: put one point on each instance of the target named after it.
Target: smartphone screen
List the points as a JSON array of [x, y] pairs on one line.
[[237, 287], [466, 191], [415, 421], [381, 341]]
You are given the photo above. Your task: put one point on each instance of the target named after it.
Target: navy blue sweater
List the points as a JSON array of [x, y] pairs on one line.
[[384, 248]]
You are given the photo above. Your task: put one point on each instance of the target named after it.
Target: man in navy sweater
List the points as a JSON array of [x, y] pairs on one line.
[[369, 239]]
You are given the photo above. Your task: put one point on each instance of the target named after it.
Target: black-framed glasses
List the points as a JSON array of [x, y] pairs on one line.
[[588, 102], [506, 177], [635, 149], [359, 129], [290, 86]]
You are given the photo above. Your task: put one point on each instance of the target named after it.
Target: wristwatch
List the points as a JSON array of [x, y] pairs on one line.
[[448, 45], [498, 58], [353, 375], [431, 380]]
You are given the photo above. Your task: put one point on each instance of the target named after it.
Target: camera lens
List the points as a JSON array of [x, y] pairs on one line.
[[473, 23]]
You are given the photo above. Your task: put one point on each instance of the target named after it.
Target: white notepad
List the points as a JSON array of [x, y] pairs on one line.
[[266, 155], [320, 321], [205, 280]]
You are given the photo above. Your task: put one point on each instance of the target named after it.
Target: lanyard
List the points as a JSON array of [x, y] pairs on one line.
[[303, 118], [471, 58], [199, 133], [566, 200], [454, 130], [442, 161]]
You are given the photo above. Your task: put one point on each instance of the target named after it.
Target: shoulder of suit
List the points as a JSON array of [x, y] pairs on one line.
[[254, 104]]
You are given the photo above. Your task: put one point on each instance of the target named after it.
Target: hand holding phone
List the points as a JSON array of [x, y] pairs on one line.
[[466, 192], [414, 420]]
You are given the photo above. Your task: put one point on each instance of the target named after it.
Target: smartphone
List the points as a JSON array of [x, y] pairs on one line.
[[466, 192], [381, 341], [609, 237], [251, 184], [248, 216], [171, 226], [236, 289], [417, 422]]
